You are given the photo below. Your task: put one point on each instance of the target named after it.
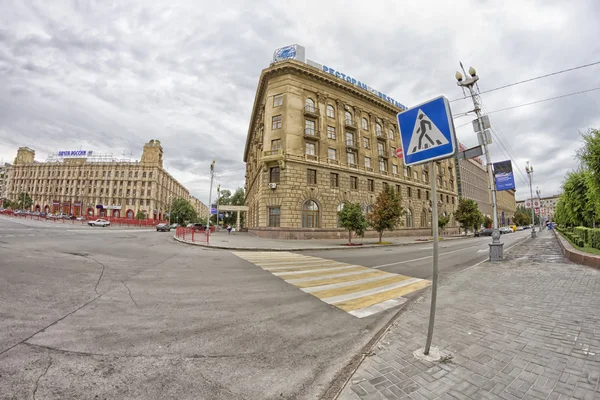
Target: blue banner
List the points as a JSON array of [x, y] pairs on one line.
[[213, 211], [505, 179]]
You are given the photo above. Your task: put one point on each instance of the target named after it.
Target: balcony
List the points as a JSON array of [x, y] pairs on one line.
[[350, 124], [310, 133], [311, 157], [351, 144], [311, 111], [381, 136], [273, 155], [384, 154]]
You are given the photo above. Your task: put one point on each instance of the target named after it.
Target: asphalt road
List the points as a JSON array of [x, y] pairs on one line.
[[108, 313]]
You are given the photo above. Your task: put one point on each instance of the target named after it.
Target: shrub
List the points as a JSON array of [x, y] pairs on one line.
[[583, 233], [595, 238]]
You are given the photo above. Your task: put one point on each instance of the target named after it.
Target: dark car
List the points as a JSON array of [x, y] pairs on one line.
[[163, 228], [484, 232]]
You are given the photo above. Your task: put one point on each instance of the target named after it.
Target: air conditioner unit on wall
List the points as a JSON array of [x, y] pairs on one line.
[[273, 185]]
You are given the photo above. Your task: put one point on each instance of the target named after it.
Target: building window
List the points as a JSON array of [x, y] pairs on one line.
[[415, 175], [391, 133], [339, 208], [309, 105], [366, 143], [143, 174], [330, 111], [409, 218], [447, 199], [385, 186], [331, 132], [351, 159], [370, 185], [309, 127], [380, 148], [394, 169], [367, 162], [427, 195], [311, 176], [348, 116], [353, 183], [424, 175], [334, 180], [423, 218], [409, 191], [365, 124], [147, 202], [441, 198], [397, 188], [378, 130], [349, 139], [310, 149], [277, 100], [406, 172], [331, 154], [382, 166], [274, 217], [310, 214], [276, 122], [150, 175], [147, 192], [130, 173], [274, 175], [275, 144]]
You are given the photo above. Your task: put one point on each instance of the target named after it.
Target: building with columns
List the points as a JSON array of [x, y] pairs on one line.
[[5, 175], [97, 185], [316, 141]]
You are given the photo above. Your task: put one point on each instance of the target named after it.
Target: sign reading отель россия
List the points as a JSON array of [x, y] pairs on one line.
[[74, 153]]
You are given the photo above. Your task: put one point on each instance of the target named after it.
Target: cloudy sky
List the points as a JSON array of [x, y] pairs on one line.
[[110, 75]]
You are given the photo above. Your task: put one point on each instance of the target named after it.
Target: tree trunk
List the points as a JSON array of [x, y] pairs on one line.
[[349, 236], [380, 235]]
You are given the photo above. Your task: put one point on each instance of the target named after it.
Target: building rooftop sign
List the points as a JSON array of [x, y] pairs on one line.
[[297, 52], [74, 153]]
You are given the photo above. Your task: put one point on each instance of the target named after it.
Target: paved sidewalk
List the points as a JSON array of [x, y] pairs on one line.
[[527, 328], [246, 241]]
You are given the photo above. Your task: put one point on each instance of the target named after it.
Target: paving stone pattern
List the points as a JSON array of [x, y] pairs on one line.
[[526, 328]]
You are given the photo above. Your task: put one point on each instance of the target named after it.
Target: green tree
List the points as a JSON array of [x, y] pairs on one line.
[[468, 215], [140, 215], [387, 211], [23, 202], [6, 203], [352, 218], [182, 211], [487, 221], [443, 222], [522, 217]]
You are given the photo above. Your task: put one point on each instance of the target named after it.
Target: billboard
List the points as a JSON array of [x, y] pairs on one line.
[[292, 52], [505, 179]]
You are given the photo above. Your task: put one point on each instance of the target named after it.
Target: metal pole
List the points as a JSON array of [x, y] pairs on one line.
[[218, 200], [530, 173], [540, 208], [212, 171], [434, 282]]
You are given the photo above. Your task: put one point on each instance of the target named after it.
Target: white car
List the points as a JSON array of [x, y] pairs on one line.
[[505, 229], [99, 222]]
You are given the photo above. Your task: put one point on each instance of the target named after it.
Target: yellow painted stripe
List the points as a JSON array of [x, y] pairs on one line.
[[320, 266], [331, 281], [359, 287], [368, 301], [323, 273]]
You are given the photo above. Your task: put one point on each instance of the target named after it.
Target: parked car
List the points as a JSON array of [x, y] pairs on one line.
[[519, 228], [80, 218], [163, 228], [505, 229], [99, 222], [484, 232], [198, 227], [174, 226]]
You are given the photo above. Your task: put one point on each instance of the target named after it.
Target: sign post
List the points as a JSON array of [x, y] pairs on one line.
[[427, 134]]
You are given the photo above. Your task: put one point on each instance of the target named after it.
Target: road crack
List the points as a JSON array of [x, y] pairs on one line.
[[101, 273], [37, 382], [130, 296]]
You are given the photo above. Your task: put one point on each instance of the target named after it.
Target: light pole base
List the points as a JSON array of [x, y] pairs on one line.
[[496, 251], [533, 234]]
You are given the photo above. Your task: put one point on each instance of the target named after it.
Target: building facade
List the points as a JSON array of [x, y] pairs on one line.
[[5, 175], [548, 205], [97, 186], [316, 141], [474, 184], [507, 206]]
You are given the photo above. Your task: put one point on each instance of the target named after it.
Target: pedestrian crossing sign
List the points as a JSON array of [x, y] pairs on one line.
[[427, 132]]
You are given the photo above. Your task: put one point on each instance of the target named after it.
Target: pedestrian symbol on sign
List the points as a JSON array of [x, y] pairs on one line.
[[425, 135]]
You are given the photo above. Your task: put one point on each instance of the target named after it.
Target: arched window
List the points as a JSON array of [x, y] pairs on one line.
[[309, 105], [409, 218], [348, 116], [330, 111], [378, 130], [310, 214], [391, 134], [365, 124], [423, 218], [339, 208]]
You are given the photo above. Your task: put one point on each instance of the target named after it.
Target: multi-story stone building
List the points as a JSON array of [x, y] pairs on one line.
[[5, 175], [506, 207], [199, 206], [548, 205], [95, 185], [316, 141]]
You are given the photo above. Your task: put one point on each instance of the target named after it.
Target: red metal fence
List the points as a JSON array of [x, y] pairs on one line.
[[141, 223], [192, 235]]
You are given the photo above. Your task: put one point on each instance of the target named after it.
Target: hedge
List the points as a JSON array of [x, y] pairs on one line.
[[582, 236], [583, 233]]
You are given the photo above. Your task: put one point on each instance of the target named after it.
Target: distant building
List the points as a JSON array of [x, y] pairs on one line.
[[316, 141], [506, 207], [91, 184], [5, 175], [548, 205]]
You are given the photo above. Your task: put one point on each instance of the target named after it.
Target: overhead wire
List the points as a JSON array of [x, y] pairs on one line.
[[531, 79], [543, 100]]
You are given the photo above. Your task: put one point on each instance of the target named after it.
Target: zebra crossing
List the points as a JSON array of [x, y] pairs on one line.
[[358, 290]]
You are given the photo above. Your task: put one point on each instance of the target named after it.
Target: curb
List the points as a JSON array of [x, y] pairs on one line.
[[574, 255], [300, 249]]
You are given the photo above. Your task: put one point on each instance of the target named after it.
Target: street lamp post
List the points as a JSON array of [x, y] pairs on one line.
[[212, 173], [496, 247], [538, 192], [529, 170]]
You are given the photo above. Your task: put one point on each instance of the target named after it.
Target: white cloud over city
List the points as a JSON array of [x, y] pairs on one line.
[[109, 76]]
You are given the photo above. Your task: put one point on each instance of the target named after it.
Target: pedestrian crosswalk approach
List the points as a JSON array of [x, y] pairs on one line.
[[358, 290]]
